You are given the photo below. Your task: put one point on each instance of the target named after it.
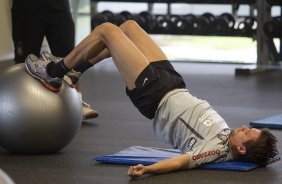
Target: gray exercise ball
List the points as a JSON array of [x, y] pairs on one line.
[[34, 119], [5, 178]]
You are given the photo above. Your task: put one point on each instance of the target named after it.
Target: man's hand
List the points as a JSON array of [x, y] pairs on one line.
[[136, 171], [164, 166]]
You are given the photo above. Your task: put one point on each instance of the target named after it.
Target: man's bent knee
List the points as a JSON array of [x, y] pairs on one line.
[[107, 29], [129, 25]]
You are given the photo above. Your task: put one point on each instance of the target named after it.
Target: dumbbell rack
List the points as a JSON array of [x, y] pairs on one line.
[[265, 56]]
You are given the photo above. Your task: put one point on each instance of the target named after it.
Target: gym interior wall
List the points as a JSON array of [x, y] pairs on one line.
[[6, 44]]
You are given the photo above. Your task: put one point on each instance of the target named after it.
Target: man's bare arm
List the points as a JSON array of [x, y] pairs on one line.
[[164, 166]]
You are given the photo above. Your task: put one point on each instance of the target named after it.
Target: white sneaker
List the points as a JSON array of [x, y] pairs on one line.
[[37, 68], [72, 77], [88, 112]]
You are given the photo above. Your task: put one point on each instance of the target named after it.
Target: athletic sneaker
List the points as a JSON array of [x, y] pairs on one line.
[[88, 112], [71, 78], [49, 57], [37, 68]]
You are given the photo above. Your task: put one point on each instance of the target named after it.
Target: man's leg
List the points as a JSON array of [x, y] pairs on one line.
[[50, 73], [141, 39], [129, 60]]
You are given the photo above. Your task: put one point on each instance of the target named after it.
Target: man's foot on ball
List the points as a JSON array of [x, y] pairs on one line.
[[49, 57], [37, 68], [71, 78]]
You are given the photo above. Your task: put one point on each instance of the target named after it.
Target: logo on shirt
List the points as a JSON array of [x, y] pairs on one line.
[[206, 154], [145, 80], [223, 135], [191, 142], [208, 121]]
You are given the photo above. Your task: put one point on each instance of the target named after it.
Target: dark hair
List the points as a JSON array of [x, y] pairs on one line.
[[261, 150]]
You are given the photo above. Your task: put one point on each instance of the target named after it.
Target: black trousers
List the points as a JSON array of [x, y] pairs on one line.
[[34, 19]]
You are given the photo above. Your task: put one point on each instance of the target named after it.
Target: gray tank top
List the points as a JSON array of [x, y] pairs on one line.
[[192, 126]]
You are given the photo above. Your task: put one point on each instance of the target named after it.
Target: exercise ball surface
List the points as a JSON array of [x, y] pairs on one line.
[[5, 178], [34, 119]]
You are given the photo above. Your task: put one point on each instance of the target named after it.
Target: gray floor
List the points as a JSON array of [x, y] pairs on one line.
[[119, 125]]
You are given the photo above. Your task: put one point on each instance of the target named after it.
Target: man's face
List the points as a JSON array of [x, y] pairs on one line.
[[241, 135]]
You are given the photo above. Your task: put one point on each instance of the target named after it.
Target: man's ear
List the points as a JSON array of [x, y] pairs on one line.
[[241, 149]]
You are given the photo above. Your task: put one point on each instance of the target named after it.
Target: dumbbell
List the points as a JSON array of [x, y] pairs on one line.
[[118, 19], [99, 18], [171, 24], [210, 17], [224, 23], [182, 24], [230, 19], [176, 22], [204, 24], [273, 28], [141, 21], [108, 14], [247, 26], [146, 20], [190, 22], [163, 24], [96, 20], [127, 15]]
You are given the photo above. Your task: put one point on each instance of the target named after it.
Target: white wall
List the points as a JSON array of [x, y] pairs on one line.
[[6, 44]]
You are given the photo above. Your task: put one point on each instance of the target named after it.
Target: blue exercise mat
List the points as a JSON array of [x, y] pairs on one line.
[[270, 122], [150, 155]]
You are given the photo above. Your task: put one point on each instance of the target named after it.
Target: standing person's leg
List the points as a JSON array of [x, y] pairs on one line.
[[27, 39], [60, 31]]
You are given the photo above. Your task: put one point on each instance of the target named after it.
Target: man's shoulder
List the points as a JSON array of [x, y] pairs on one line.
[[209, 151]]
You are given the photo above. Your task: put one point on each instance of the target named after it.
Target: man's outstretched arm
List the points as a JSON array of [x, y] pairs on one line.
[[164, 166]]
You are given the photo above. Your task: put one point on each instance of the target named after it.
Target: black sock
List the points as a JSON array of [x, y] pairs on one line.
[[57, 69], [82, 67]]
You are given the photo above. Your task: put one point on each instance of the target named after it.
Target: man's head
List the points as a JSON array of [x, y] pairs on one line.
[[251, 144]]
